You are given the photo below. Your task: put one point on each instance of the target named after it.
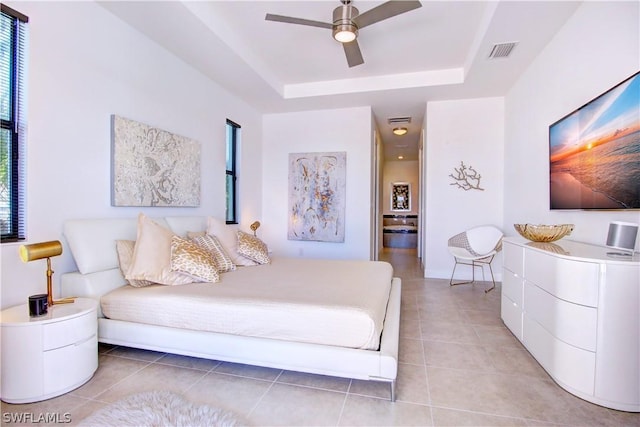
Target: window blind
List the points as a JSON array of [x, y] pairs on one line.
[[14, 41]]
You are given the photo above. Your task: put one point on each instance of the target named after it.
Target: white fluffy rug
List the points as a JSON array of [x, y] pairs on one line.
[[160, 409]]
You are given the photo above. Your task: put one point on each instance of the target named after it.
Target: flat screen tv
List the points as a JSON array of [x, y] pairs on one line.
[[594, 152]]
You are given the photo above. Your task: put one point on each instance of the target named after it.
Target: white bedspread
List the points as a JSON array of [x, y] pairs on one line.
[[330, 302]]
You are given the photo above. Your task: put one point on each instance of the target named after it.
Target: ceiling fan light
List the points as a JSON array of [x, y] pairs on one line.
[[345, 33], [400, 131]]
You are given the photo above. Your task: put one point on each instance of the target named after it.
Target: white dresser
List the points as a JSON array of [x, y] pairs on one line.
[[577, 310], [46, 356]]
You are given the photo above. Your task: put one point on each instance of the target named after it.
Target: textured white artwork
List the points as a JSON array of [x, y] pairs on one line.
[[152, 167], [317, 196]]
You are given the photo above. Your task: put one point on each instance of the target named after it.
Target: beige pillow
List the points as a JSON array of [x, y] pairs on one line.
[[253, 248], [152, 255], [212, 244], [194, 234], [226, 234], [189, 258], [125, 255]]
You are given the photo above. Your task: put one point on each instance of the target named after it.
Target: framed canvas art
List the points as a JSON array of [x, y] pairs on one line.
[[317, 196], [152, 167], [400, 196]]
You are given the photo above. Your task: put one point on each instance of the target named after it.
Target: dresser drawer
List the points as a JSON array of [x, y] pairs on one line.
[[570, 280], [511, 315], [568, 365], [512, 258], [512, 287], [571, 323], [69, 331]]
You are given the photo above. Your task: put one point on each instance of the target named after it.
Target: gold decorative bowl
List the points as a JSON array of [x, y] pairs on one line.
[[543, 233]]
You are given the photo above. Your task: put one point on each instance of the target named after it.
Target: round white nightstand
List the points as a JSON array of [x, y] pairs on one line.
[[49, 355]]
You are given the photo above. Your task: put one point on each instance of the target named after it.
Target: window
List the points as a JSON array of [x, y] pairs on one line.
[[13, 54], [233, 133]]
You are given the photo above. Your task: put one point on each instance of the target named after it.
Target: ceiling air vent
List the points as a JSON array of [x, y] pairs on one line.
[[502, 50], [399, 120]]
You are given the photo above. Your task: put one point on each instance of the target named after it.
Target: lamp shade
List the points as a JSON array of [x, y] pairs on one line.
[[345, 33], [40, 250], [622, 235]]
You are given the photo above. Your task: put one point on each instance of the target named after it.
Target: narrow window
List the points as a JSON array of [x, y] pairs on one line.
[[13, 70], [233, 134]]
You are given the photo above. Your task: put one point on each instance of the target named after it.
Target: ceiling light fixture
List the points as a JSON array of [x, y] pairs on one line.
[[400, 157], [400, 131], [345, 33], [344, 30]]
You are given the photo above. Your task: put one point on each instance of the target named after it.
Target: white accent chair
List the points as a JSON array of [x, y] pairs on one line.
[[475, 247]]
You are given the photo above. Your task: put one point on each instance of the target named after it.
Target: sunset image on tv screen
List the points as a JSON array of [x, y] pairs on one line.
[[594, 152]]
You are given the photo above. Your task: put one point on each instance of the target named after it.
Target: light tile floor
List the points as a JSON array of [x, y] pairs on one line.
[[459, 366]]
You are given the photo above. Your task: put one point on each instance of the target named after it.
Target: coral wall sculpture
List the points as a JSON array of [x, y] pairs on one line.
[[466, 178]]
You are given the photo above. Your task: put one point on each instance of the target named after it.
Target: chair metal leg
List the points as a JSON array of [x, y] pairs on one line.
[[474, 264], [473, 275], [492, 281]]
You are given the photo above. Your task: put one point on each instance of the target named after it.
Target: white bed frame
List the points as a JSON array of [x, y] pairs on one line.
[[92, 243]]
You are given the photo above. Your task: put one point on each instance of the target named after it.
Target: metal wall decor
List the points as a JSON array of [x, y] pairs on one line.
[[466, 178]]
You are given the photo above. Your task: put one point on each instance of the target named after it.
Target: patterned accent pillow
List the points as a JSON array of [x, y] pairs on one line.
[[187, 257], [125, 255], [220, 257], [253, 248]]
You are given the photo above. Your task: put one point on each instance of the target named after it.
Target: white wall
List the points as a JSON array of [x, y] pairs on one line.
[[472, 131], [349, 130], [596, 49], [85, 65], [400, 171]]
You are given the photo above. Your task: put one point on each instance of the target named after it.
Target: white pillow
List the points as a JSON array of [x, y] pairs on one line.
[[152, 255], [227, 235], [125, 255]]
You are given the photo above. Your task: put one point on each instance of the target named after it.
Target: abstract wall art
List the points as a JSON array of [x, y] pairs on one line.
[[152, 167], [317, 185]]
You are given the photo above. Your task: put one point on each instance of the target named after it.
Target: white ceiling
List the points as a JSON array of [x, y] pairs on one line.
[[436, 52]]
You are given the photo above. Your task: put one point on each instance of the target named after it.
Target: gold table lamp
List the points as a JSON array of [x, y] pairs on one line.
[[45, 250], [254, 227]]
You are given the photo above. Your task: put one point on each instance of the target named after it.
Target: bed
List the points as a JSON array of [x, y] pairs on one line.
[[258, 315]]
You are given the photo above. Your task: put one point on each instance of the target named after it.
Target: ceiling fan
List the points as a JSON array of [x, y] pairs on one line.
[[347, 20]]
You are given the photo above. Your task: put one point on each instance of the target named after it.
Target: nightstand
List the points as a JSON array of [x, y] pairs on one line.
[[46, 356]]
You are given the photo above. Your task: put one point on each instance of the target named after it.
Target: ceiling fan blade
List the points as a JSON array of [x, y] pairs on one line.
[[299, 21], [352, 51], [384, 11]]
